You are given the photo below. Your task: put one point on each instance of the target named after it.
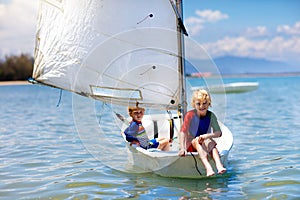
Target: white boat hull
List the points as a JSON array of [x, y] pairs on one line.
[[238, 87]]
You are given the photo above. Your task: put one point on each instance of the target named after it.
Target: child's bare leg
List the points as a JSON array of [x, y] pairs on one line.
[[209, 170], [166, 146], [163, 144], [218, 162], [203, 158]]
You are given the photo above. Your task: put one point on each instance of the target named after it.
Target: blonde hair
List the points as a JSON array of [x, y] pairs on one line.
[[201, 95], [131, 109]]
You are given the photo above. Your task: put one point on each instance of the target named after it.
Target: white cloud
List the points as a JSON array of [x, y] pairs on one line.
[[17, 27], [295, 30], [211, 16], [276, 48], [255, 42], [256, 31], [196, 23]]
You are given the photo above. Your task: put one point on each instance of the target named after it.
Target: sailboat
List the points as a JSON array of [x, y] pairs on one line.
[[235, 87], [120, 53]]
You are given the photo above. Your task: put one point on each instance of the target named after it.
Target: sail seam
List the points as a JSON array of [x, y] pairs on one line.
[[54, 4], [155, 91]]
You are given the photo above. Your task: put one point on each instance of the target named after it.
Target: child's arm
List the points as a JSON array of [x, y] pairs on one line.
[[130, 138], [203, 137], [182, 142], [135, 142], [215, 128], [131, 132]]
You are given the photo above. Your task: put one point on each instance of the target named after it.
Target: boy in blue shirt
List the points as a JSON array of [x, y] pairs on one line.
[[136, 133]]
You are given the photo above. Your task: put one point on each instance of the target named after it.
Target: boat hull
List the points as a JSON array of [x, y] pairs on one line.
[[238, 87], [169, 164]]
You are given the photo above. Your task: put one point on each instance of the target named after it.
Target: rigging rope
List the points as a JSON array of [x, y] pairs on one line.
[[59, 100], [148, 16], [196, 164]]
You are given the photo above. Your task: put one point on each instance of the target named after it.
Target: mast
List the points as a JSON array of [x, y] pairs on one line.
[[182, 106]]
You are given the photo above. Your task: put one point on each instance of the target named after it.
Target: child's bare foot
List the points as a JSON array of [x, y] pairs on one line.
[[210, 173], [222, 170]]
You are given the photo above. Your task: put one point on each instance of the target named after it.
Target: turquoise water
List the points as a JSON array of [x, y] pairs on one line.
[[42, 156]]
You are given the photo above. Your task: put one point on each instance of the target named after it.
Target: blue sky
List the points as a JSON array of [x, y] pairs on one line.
[[268, 29]]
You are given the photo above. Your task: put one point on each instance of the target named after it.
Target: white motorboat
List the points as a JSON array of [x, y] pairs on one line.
[[236, 87]]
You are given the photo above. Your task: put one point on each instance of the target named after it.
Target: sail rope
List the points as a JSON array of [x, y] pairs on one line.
[[118, 115], [148, 16], [196, 165], [59, 100], [179, 18], [153, 67]]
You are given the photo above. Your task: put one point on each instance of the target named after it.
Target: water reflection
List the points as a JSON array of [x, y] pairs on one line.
[[143, 185]]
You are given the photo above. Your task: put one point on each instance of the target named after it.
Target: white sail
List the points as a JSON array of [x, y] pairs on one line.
[[119, 51]]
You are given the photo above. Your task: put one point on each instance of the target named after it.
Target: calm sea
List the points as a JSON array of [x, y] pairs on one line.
[[45, 153]]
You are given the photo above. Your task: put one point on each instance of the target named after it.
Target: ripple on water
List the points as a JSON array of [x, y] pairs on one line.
[[281, 183]]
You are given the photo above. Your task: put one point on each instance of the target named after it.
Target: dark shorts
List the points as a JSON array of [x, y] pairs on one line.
[[191, 149], [153, 143]]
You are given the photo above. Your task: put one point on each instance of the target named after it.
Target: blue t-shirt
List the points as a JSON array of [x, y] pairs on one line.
[[136, 132], [194, 126]]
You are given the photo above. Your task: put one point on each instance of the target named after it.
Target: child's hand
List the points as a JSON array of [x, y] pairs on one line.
[[182, 152], [201, 139]]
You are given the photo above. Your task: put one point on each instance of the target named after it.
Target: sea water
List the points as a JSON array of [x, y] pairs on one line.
[[46, 154]]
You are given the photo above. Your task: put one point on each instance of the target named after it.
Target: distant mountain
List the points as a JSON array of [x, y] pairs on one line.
[[240, 65], [243, 65]]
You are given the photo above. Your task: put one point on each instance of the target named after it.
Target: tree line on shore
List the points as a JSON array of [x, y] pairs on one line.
[[15, 67]]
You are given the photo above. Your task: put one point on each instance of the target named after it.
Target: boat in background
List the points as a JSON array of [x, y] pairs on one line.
[[236, 87]]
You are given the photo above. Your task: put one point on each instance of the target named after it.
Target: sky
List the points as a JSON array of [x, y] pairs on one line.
[[264, 29]]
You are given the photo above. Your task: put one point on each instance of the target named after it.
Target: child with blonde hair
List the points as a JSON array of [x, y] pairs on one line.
[[195, 133]]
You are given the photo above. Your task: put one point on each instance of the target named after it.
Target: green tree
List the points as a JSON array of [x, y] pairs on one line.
[[16, 67]]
